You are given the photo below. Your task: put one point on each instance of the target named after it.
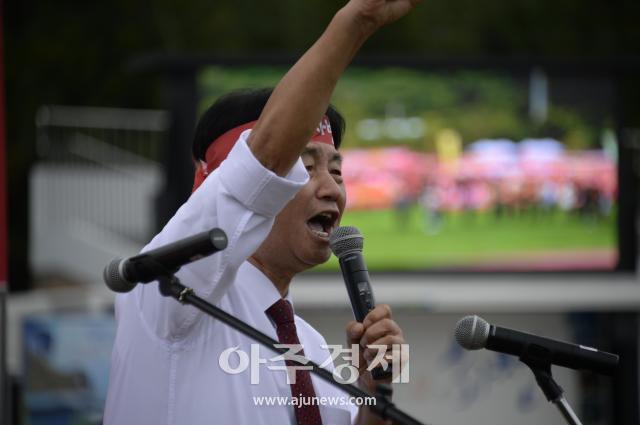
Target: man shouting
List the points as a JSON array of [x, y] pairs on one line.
[[269, 174]]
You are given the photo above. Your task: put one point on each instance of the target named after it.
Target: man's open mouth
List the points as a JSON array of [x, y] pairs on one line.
[[322, 224]]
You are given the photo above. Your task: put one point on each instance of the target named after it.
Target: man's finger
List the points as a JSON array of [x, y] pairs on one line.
[[380, 312], [398, 9], [387, 341], [355, 330], [378, 330]]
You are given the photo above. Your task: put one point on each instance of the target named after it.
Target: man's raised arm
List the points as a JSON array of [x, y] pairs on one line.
[[302, 96]]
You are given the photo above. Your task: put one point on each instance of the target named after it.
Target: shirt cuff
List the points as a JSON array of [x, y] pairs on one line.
[[256, 187]]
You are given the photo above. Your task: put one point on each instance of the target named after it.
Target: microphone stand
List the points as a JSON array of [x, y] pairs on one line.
[[170, 286], [540, 365]]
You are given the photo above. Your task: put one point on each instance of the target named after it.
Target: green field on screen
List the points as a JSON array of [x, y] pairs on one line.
[[528, 241]]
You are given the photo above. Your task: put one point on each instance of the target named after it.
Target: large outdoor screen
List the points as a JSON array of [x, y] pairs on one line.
[[470, 170]]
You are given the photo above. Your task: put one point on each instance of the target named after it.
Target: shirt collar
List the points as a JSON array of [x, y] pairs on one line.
[[264, 291]]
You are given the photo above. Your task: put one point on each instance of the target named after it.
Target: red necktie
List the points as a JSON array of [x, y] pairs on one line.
[[282, 314]]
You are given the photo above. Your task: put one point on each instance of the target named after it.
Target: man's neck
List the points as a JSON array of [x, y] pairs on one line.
[[281, 280]]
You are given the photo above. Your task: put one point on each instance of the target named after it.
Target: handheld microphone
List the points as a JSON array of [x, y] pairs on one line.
[[346, 243], [473, 333], [122, 275]]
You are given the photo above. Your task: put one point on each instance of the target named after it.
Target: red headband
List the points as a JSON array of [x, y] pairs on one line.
[[220, 147]]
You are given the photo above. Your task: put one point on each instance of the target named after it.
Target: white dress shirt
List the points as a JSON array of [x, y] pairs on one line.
[[165, 363]]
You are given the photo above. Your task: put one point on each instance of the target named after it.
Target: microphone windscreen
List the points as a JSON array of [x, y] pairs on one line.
[[113, 277], [346, 239], [472, 332]]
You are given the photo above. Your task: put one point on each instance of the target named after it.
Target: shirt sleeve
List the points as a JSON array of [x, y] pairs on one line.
[[242, 198]]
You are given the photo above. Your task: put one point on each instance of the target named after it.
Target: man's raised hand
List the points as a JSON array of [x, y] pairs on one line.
[[377, 13]]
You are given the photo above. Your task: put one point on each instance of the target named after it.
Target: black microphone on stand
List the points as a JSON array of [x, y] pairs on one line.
[[346, 243], [473, 333], [122, 275]]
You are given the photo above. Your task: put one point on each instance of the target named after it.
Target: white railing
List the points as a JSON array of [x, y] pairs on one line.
[[93, 188]]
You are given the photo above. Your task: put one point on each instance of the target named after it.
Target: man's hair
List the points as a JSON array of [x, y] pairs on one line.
[[240, 107]]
